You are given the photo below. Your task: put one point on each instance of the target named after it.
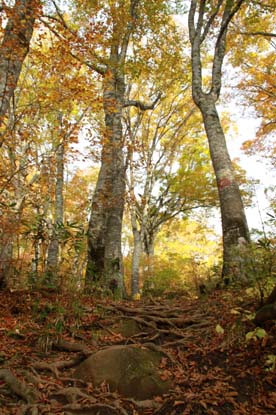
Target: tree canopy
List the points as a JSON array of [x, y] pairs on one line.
[[121, 77]]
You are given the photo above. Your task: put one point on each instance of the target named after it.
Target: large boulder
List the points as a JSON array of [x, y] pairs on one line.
[[130, 370]]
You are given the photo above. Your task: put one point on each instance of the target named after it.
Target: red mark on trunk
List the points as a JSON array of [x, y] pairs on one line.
[[224, 182]]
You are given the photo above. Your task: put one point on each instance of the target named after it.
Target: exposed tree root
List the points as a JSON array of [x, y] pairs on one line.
[[64, 345], [141, 321], [194, 360], [29, 409], [99, 408], [59, 365], [19, 387], [146, 404], [72, 395]]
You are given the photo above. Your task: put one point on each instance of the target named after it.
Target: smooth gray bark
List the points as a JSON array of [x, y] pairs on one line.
[[234, 224], [138, 233], [53, 249], [105, 225], [13, 50], [136, 259], [6, 253], [62, 137]]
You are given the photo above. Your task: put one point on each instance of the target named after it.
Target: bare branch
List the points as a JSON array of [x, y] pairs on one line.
[[210, 21], [229, 13], [228, 16], [191, 20], [267, 124], [59, 12], [194, 34], [200, 16], [57, 34], [266, 34], [142, 106], [129, 30]]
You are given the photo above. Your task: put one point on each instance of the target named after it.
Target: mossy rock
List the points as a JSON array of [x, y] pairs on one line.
[[130, 370], [127, 327]]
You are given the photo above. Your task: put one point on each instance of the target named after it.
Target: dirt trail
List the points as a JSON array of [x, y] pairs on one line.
[[214, 371]]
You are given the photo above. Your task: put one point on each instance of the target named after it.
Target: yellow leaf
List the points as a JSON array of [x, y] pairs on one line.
[[219, 329]]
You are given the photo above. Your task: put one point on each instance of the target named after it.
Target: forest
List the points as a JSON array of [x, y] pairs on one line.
[[130, 280]]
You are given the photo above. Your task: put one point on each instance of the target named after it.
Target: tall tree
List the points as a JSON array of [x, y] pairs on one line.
[[211, 20], [103, 45], [105, 37], [105, 226], [53, 248], [14, 48], [161, 141], [31, 157], [63, 134]]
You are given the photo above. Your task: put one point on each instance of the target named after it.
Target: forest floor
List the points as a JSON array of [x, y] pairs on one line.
[[213, 369]]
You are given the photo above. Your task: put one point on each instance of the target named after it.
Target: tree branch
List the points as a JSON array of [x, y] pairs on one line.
[[195, 40], [200, 16], [259, 33], [228, 16], [97, 67], [191, 20], [210, 21], [129, 30], [229, 13], [60, 15], [142, 106]]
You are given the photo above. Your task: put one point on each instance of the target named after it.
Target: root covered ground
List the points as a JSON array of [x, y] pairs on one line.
[[213, 369]]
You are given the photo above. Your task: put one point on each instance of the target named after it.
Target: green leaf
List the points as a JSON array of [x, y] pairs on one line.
[[260, 333], [270, 362], [250, 335], [219, 329]]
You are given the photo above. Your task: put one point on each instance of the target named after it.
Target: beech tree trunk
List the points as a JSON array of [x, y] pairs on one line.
[[6, 251], [135, 264], [105, 225], [234, 224], [149, 248], [53, 249], [14, 48]]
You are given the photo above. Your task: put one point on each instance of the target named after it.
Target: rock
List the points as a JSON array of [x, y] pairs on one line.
[[130, 370], [127, 328], [267, 312]]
